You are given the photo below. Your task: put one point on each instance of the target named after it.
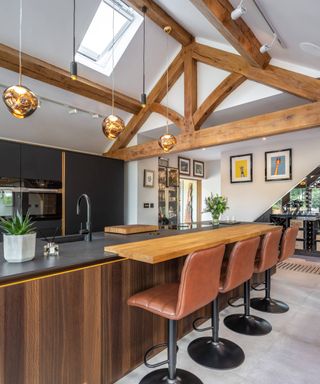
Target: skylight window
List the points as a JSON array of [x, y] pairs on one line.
[[95, 50]]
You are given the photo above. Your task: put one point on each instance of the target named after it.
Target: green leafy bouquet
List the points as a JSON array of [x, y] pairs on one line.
[[216, 205]]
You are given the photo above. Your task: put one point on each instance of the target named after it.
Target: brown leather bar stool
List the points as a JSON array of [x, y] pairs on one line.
[[267, 304], [246, 323], [199, 285], [215, 352]]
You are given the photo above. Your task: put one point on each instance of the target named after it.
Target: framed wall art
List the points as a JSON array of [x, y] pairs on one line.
[[198, 168], [241, 168], [148, 179], [184, 166], [278, 165], [173, 177]]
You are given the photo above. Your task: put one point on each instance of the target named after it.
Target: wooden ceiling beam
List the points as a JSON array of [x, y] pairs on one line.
[[190, 89], [173, 116], [162, 19], [275, 123], [276, 77], [237, 32], [50, 74], [216, 97], [156, 95]]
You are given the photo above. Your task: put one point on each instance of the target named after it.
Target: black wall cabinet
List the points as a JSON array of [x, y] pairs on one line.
[[102, 180], [9, 159], [40, 163]]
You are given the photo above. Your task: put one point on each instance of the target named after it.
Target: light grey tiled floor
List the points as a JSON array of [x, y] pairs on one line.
[[290, 354]]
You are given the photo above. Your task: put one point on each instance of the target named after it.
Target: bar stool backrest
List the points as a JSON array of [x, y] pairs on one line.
[[288, 243], [240, 265], [199, 284], [268, 253]]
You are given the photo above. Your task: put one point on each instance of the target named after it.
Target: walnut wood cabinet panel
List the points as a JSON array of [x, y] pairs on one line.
[[76, 328], [50, 330]]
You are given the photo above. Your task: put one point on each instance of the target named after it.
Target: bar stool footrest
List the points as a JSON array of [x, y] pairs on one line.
[[200, 329], [255, 285], [155, 365], [232, 300]]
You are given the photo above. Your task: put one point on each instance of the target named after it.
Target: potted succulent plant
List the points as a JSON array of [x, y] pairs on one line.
[[216, 205], [19, 238]]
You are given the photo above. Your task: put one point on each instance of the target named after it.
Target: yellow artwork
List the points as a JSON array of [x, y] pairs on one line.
[[241, 168]]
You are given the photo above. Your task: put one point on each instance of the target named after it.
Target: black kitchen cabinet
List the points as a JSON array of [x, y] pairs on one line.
[[40, 163], [102, 180], [9, 159]]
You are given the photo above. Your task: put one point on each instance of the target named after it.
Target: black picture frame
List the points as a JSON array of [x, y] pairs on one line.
[[182, 163], [268, 176], [195, 174], [148, 178], [233, 179]]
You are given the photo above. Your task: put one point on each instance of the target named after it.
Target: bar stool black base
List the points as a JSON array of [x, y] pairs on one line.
[[248, 325], [221, 355], [269, 305], [160, 376]]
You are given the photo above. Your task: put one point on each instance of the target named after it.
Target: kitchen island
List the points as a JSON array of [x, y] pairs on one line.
[[66, 320]]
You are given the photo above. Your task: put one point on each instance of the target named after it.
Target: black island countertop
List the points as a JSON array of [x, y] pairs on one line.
[[80, 254]]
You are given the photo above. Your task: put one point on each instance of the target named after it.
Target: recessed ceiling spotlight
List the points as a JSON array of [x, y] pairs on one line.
[[239, 11], [95, 116], [267, 47], [311, 48], [204, 149], [264, 138], [73, 111]]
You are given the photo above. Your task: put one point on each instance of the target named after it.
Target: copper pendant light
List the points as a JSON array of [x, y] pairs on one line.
[[112, 125], [167, 141], [20, 101]]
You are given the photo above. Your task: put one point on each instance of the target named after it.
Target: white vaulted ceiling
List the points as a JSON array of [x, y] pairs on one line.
[[47, 34]]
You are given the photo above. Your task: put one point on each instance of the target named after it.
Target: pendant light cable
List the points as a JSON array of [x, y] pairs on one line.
[[74, 32], [113, 17], [20, 45], [167, 75]]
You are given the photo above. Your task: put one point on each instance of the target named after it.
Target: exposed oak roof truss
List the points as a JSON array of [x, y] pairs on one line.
[[251, 65]]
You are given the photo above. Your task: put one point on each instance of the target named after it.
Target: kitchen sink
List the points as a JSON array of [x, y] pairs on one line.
[[65, 239]]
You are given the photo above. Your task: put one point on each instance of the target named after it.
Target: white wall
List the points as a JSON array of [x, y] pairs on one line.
[[130, 192], [146, 194], [212, 183], [136, 194], [247, 201]]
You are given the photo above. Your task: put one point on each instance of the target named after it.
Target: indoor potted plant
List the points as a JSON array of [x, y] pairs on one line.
[[216, 205], [19, 238]]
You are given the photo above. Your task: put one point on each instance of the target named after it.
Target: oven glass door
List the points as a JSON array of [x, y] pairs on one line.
[[6, 203], [42, 205]]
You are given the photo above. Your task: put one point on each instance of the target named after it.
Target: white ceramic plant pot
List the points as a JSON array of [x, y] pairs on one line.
[[19, 248]]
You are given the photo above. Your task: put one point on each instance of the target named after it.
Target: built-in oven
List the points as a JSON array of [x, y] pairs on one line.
[[10, 196], [42, 199]]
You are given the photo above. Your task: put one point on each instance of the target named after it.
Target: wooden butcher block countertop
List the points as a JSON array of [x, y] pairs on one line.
[[131, 229], [163, 249]]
